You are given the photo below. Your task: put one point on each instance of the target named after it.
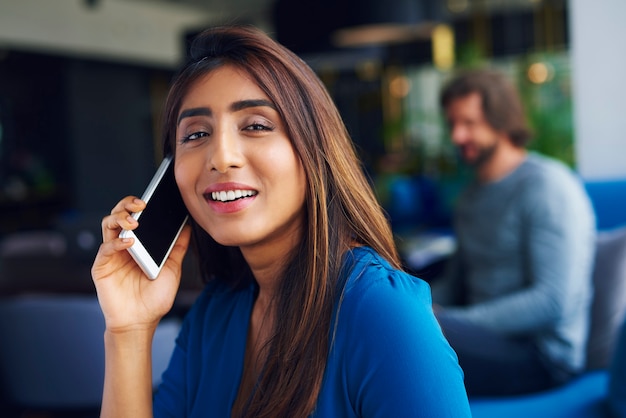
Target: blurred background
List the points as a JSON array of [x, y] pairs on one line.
[[82, 86]]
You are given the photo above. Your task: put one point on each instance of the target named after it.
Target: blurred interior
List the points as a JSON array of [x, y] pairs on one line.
[[82, 84]]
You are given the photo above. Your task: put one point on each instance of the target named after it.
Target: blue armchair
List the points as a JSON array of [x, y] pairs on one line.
[[585, 397], [609, 202], [600, 392], [52, 353]]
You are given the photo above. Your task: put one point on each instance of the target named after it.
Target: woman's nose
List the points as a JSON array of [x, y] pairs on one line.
[[225, 152]]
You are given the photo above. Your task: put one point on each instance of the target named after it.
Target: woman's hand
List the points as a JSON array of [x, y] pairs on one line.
[[128, 298]]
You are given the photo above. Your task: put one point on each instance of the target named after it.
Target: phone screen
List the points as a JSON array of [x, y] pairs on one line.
[[162, 217]]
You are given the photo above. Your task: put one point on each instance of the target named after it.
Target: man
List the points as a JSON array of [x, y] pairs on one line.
[[515, 302]]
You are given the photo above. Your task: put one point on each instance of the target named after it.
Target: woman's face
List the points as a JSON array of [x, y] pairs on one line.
[[235, 166]]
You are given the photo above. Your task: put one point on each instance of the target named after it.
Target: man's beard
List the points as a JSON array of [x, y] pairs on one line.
[[484, 155]]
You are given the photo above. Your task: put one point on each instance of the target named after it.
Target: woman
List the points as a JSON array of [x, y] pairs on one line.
[[306, 311]]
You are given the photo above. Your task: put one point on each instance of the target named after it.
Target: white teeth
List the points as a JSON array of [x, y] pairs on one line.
[[227, 196]]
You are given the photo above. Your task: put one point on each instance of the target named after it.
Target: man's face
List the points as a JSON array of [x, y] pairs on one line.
[[475, 139]]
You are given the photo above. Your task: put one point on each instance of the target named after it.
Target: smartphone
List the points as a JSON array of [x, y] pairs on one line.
[[160, 222]]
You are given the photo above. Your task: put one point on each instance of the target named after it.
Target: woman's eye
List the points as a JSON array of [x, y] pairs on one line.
[[194, 136], [258, 127]]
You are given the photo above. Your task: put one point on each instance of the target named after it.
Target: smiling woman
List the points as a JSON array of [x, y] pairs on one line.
[[306, 311]]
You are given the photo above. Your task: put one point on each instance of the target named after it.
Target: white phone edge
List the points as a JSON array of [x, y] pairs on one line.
[[137, 250], [143, 258]]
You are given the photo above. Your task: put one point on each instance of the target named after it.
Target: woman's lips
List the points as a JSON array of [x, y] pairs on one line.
[[229, 197]]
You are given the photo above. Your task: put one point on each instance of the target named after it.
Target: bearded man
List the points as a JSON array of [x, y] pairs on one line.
[[515, 299]]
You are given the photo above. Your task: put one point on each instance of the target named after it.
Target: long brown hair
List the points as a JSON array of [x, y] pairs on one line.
[[341, 212]]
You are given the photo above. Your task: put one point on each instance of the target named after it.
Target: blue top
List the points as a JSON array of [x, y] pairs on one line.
[[388, 359]]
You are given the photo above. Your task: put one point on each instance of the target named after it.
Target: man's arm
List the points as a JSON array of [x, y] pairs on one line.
[[559, 230]]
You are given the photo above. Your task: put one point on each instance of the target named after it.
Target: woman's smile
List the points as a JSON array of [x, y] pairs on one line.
[[229, 197]]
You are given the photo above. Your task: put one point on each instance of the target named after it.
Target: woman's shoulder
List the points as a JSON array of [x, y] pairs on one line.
[[366, 266], [387, 312], [370, 278]]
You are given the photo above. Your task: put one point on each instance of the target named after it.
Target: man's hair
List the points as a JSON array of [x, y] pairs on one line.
[[500, 100]]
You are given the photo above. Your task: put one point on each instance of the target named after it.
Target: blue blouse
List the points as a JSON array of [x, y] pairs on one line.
[[389, 357]]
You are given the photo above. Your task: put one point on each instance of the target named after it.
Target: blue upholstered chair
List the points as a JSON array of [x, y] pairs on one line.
[[609, 202], [600, 392], [52, 352]]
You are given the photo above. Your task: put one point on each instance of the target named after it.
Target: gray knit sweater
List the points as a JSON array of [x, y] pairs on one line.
[[524, 259]]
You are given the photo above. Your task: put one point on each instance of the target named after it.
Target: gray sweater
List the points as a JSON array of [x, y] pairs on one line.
[[524, 258]]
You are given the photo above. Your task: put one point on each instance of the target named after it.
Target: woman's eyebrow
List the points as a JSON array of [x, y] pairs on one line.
[[236, 106], [196, 111], [243, 104]]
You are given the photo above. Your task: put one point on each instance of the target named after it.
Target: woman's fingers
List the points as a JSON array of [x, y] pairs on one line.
[[103, 265], [112, 247], [129, 204], [120, 217]]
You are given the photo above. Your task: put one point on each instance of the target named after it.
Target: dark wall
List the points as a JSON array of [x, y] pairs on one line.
[[111, 138], [75, 136], [34, 152]]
